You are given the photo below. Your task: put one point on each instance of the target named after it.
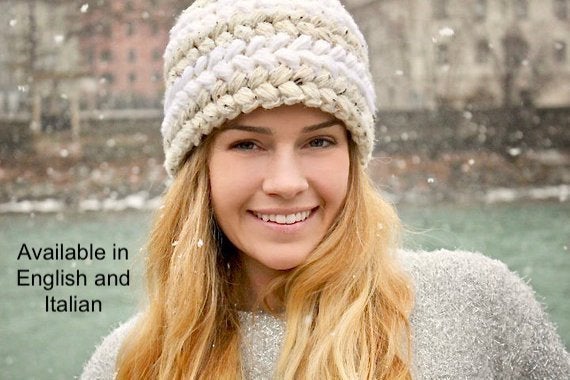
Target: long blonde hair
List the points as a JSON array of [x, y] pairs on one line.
[[346, 307]]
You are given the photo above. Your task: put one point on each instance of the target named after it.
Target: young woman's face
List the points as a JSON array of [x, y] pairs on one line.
[[278, 179]]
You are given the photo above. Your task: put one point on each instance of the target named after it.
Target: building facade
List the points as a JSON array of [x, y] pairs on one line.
[[472, 53], [425, 54], [122, 48], [39, 55]]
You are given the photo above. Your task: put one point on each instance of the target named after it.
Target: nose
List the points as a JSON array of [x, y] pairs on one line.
[[285, 177]]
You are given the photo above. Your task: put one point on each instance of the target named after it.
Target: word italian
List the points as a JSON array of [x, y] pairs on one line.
[[72, 304]]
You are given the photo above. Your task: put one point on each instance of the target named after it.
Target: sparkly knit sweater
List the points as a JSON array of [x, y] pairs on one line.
[[472, 319]]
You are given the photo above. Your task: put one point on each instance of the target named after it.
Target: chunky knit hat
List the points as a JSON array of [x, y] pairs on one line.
[[229, 57]]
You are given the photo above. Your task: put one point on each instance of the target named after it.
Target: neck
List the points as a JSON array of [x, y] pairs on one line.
[[255, 282]]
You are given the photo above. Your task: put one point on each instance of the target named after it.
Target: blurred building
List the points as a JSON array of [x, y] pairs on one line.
[[472, 53], [107, 53], [121, 47], [424, 53], [38, 56]]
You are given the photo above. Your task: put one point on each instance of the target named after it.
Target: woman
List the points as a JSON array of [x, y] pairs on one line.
[[274, 256]]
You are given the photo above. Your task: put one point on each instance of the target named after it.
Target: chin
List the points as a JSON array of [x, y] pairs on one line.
[[283, 261], [283, 265]]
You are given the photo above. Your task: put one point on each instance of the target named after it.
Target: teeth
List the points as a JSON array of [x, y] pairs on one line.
[[284, 219]]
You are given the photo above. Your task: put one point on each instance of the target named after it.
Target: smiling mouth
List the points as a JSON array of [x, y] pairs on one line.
[[282, 218]]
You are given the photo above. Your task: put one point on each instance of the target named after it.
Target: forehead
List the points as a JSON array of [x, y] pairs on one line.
[[290, 116]]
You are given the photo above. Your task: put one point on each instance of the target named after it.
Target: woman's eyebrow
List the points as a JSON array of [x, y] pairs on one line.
[[247, 128], [267, 131], [324, 124]]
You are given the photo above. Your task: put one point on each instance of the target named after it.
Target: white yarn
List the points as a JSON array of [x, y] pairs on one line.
[[317, 53], [221, 11], [229, 57], [187, 31]]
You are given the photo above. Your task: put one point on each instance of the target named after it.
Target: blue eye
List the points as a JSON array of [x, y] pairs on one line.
[[244, 145], [320, 142]]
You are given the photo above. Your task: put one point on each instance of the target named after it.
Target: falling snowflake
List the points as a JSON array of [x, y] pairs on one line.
[[446, 32], [515, 151]]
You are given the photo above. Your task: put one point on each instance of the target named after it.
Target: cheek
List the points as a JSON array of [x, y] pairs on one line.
[[230, 186], [219, 187], [330, 179], [337, 189]]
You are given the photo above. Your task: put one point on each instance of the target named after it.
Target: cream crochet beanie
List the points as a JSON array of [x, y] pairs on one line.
[[229, 57]]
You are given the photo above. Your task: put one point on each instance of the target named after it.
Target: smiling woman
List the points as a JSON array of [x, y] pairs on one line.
[[288, 182], [273, 255]]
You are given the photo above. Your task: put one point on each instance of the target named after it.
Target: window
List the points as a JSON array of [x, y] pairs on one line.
[[442, 55], [132, 77], [480, 9], [132, 57], [90, 56], [154, 28], [516, 50], [521, 9], [483, 51], [130, 29], [156, 54], [439, 9], [88, 30], [561, 9], [559, 51], [504, 7], [106, 30], [106, 56], [391, 94], [108, 78]]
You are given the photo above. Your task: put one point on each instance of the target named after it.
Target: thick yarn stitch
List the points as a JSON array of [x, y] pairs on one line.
[[228, 57]]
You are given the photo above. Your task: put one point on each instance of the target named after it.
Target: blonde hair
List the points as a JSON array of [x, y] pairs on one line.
[[346, 307]]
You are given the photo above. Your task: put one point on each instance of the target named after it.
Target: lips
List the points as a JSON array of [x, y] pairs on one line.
[[291, 218]]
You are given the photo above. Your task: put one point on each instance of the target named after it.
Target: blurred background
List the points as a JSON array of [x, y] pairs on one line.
[[473, 145]]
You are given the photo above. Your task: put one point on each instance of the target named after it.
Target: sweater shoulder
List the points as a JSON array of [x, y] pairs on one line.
[[451, 278], [461, 271], [446, 264], [101, 365], [473, 309]]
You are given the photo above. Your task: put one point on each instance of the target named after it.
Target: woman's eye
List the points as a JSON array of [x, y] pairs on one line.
[[244, 145], [320, 142]]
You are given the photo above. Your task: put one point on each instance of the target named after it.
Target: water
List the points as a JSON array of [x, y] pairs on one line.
[[532, 238], [35, 344]]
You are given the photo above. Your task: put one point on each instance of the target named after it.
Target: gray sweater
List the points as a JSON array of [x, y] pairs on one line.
[[473, 319]]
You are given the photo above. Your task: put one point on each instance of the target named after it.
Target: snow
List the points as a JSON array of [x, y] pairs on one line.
[[137, 201], [502, 194]]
